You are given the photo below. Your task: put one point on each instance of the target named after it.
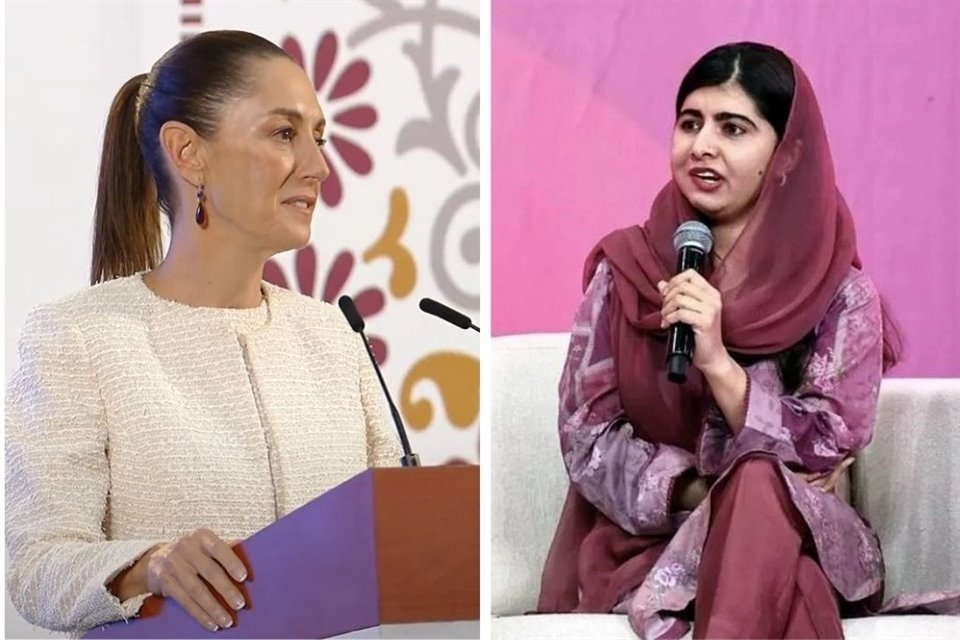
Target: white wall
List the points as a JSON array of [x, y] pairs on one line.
[[65, 60]]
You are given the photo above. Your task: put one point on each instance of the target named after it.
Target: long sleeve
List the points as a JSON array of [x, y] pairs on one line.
[[832, 413], [628, 479], [383, 446], [57, 485]]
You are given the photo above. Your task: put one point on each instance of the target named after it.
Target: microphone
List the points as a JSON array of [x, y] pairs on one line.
[[444, 312], [409, 459], [693, 241]]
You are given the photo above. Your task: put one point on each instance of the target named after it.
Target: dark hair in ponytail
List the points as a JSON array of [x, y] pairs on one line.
[[192, 83], [126, 235]]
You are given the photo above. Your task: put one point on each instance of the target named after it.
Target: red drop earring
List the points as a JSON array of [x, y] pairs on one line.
[[201, 214]]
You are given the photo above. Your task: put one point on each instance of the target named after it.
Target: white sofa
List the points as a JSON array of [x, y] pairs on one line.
[[907, 484]]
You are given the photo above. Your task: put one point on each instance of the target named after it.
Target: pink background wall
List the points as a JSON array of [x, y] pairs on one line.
[[582, 113]]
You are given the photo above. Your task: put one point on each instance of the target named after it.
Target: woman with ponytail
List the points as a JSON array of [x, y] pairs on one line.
[[181, 402]]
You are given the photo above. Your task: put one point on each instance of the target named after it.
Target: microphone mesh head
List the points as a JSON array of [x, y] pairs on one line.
[[693, 234]]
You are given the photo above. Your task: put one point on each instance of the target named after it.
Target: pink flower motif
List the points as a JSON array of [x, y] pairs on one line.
[[369, 301], [349, 81]]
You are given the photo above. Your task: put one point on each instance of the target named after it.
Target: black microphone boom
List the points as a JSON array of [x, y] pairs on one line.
[[693, 241], [444, 312], [409, 459]]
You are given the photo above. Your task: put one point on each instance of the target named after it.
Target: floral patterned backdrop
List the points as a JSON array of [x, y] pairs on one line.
[[399, 82]]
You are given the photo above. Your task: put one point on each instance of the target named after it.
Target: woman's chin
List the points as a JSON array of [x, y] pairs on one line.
[[709, 207], [293, 239], [302, 239]]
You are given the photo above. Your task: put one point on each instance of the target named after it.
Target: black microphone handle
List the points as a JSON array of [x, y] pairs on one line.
[[409, 459], [680, 336], [447, 314]]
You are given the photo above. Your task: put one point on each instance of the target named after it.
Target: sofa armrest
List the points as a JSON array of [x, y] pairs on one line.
[[906, 483]]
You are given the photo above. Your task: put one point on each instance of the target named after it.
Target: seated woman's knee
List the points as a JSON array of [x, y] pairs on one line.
[[756, 466]]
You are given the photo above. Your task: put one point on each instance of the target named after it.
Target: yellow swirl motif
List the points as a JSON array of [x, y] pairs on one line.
[[457, 376], [404, 274]]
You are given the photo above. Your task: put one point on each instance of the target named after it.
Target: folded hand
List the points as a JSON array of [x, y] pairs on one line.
[[827, 480]]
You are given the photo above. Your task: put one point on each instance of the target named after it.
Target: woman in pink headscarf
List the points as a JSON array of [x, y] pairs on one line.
[[719, 491]]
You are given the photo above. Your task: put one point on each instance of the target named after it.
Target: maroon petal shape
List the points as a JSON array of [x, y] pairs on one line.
[[332, 189], [354, 156], [351, 80], [273, 274], [379, 348], [369, 302], [293, 49], [337, 276], [323, 59], [455, 461], [362, 117], [306, 269]]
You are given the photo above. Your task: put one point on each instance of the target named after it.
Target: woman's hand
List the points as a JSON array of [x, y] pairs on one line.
[[690, 299], [175, 570], [827, 480], [689, 490]]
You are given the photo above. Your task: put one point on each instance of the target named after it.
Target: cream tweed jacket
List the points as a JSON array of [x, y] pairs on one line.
[[132, 420]]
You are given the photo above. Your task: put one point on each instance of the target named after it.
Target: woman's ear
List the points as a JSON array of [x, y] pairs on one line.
[[184, 150], [789, 159]]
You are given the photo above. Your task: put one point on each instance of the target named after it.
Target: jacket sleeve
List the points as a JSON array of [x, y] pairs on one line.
[[832, 413], [57, 485], [628, 479]]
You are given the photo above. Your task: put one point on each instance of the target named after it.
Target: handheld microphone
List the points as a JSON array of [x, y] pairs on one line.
[[693, 241], [444, 312], [409, 459]]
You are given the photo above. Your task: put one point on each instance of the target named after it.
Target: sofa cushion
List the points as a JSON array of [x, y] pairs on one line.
[[614, 627], [528, 478], [906, 483]]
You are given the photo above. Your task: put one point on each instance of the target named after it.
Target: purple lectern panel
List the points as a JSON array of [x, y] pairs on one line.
[[312, 574]]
